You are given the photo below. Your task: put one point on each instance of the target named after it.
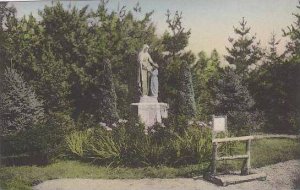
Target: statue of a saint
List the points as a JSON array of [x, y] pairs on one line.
[[146, 68]]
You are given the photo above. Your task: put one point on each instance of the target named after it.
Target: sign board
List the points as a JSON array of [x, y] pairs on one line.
[[219, 123]]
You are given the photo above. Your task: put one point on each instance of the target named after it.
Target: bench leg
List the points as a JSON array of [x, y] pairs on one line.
[[247, 162], [214, 159]]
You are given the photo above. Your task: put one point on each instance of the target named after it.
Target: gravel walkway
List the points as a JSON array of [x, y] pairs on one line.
[[279, 177]]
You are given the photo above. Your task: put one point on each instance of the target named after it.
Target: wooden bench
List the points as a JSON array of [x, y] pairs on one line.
[[247, 164], [220, 125]]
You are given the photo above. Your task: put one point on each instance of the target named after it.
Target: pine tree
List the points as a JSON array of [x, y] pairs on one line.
[[177, 40], [271, 86], [290, 72], [293, 32], [232, 98], [20, 109], [186, 103], [245, 51], [174, 41]]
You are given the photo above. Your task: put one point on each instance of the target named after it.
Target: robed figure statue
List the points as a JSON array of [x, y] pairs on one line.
[[147, 71]]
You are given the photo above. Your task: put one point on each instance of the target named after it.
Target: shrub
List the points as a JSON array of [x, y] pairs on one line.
[[45, 141], [194, 146], [76, 142], [127, 144], [59, 125]]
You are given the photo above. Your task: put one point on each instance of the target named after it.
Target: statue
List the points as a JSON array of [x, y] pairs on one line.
[[148, 109], [147, 71], [154, 83]]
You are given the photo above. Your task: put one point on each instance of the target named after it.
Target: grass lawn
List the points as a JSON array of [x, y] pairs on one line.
[[264, 152]]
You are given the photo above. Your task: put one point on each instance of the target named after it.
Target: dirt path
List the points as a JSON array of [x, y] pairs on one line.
[[279, 177]]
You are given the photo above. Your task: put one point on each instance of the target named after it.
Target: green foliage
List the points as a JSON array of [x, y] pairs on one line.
[[193, 146], [103, 147], [20, 109], [64, 59], [107, 110], [293, 46], [178, 39], [83, 66], [42, 141], [118, 37], [173, 66], [245, 52], [58, 125], [26, 176], [232, 98], [76, 142], [129, 145], [34, 51], [205, 71], [6, 14], [274, 86], [279, 150], [293, 68], [186, 103]]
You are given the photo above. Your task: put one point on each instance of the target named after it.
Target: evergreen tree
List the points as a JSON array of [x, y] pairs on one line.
[[20, 109], [293, 32], [38, 55], [106, 110], [245, 51], [118, 36], [266, 86], [174, 41], [177, 40], [204, 71], [186, 103], [291, 74], [6, 14], [232, 98], [67, 43], [275, 85]]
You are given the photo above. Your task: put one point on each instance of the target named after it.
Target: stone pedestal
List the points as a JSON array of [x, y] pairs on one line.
[[150, 110]]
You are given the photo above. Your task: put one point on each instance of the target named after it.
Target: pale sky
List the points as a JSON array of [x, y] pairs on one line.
[[211, 21]]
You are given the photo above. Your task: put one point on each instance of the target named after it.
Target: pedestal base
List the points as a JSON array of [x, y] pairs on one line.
[[150, 110]]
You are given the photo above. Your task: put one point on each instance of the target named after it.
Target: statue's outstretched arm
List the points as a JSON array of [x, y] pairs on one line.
[[152, 62]]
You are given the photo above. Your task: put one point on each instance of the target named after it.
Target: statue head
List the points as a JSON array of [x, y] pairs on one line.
[[145, 48]]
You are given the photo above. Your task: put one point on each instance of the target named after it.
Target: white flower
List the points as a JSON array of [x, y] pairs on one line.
[[146, 132], [107, 128], [201, 124], [102, 124], [114, 125], [122, 121], [190, 122]]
